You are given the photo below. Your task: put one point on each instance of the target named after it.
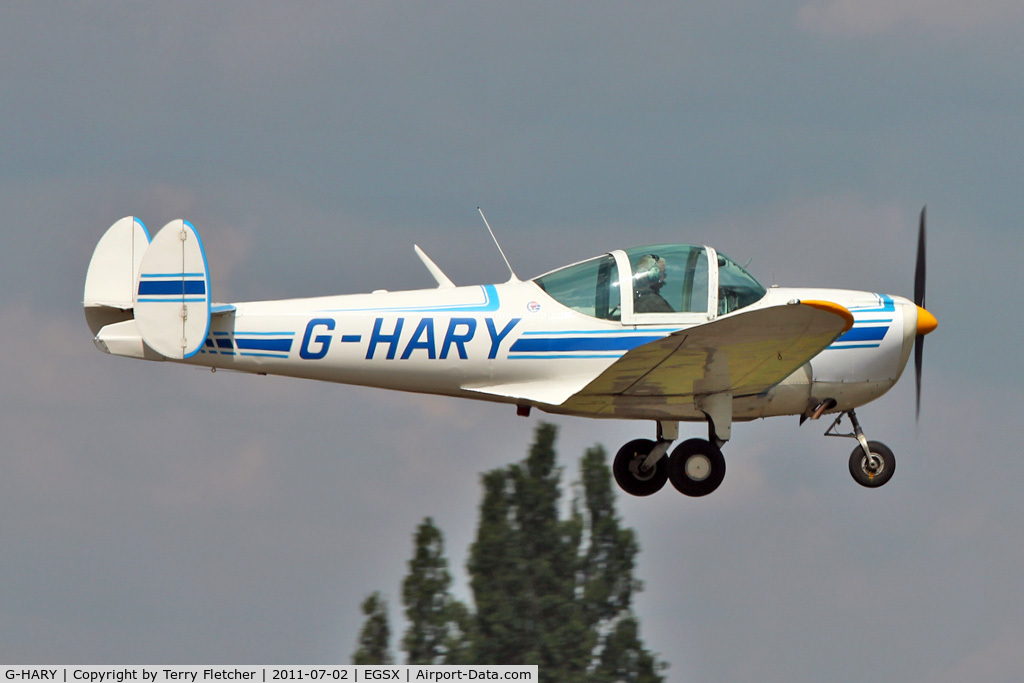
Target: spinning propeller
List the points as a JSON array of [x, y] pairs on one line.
[[926, 322]]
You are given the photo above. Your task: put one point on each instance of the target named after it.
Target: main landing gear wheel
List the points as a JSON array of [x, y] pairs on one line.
[[696, 467], [864, 474], [630, 474]]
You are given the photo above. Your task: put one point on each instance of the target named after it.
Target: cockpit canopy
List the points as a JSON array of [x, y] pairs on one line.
[[664, 283]]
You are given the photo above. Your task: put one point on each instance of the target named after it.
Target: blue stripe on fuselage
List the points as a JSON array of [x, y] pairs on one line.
[[859, 334], [280, 345]]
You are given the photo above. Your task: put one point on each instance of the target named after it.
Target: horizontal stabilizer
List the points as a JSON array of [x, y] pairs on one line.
[[222, 309], [123, 339], [172, 299]]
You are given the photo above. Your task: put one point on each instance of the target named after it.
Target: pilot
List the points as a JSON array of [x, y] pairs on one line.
[[648, 279]]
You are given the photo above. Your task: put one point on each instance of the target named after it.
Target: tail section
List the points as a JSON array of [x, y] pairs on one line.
[[113, 271], [172, 298], [149, 298]]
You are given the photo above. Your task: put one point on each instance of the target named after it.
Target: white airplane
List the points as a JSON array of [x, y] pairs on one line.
[[669, 333]]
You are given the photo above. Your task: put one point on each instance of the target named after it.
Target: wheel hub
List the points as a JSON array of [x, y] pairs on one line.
[[697, 467], [637, 469], [872, 466]]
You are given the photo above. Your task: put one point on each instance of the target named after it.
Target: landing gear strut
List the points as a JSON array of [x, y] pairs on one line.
[[872, 464]]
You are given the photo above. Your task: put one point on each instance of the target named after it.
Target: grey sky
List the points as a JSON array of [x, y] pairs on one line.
[[153, 513]]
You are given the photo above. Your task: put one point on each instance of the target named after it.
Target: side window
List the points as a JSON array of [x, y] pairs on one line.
[[591, 287], [669, 278]]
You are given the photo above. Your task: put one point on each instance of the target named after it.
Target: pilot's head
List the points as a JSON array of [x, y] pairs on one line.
[[649, 272]]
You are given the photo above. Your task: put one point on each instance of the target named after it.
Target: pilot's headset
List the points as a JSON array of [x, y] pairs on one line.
[[648, 270]]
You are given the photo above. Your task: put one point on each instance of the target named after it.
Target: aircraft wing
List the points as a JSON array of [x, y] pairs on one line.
[[745, 354], [552, 391]]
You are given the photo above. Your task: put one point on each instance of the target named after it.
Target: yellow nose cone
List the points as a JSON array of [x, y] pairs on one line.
[[926, 322]]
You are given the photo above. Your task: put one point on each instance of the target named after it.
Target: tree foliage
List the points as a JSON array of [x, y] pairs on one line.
[[438, 624], [548, 590], [526, 595], [624, 658], [374, 638]]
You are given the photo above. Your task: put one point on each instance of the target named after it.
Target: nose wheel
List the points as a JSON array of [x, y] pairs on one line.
[[872, 464], [874, 471]]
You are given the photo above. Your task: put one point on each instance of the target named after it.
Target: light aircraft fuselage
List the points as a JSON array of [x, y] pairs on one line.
[[670, 333]]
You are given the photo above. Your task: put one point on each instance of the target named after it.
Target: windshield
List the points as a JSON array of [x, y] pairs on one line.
[[591, 287], [664, 278], [736, 287]]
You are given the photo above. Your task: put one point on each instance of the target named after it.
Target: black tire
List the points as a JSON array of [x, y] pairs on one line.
[[627, 472], [696, 467], [859, 465]]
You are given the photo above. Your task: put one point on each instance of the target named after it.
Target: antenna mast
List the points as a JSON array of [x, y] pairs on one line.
[[500, 250]]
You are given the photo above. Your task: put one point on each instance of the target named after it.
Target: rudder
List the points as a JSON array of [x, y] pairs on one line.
[[172, 297]]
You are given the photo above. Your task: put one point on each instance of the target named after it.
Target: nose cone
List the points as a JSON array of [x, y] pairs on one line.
[[926, 322]]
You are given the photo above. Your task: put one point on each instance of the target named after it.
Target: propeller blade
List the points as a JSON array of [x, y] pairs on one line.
[[919, 292], [918, 363], [919, 272]]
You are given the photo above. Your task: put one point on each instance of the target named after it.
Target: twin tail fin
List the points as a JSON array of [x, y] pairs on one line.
[[149, 298]]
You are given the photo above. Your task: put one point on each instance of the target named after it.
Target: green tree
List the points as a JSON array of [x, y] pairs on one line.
[[501, 630], [438, 624], [607, 575], [608, 583], [551, 591], [624, 659], [548, 590], [523, 569], [375, 637], [549, 549]]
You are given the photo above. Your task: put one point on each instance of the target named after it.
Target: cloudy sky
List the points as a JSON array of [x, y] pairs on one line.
[[159, 514]]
